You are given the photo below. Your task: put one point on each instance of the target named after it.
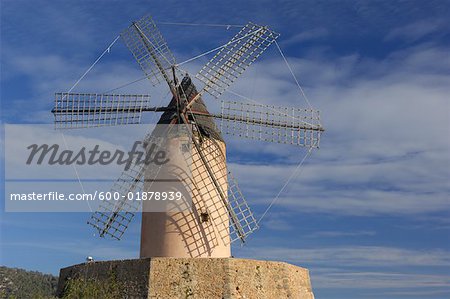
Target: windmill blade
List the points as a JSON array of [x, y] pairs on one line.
[[271, 123], [209, 165], [84, 110], [239, 206], [113, 217], [234, 58], [146, 43]]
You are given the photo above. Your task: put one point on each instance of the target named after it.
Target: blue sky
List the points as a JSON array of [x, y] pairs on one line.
[[369, 212]]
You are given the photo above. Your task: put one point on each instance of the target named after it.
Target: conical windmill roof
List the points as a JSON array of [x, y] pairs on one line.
[[206, 124]]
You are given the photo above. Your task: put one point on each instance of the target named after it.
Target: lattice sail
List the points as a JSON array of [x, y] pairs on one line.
[[84, 110], [149, 48], [237, 220], [240, 208], [233, 59], [113, 217], [271, 123]]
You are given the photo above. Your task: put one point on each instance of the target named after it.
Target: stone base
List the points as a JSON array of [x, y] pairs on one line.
[[185, 278]]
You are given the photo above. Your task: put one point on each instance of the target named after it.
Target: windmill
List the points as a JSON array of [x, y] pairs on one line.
[[220, 215]]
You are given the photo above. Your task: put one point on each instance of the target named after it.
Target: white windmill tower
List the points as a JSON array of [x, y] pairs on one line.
[[219, 214]]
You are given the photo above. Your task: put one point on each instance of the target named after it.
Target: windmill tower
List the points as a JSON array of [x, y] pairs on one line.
[[219, 215]]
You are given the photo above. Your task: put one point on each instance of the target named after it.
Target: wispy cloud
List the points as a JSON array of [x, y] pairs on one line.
[[416, 30], [344, 256], [313, 34], [383, 280], [278, 222], [336, 234]]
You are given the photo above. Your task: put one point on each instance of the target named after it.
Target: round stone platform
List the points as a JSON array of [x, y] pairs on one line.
[[185, 278]]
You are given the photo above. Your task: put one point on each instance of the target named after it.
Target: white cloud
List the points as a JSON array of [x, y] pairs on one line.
[[381, 280], [336, 234], [313, 34], [416, 30], [352, 256], [278, 222]]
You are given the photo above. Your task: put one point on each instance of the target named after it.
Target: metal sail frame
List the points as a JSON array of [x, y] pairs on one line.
[[85, 110], [235, 57], [151, 52]]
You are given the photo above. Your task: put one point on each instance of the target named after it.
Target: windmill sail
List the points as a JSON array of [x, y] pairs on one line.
[[209, 167], [84, 110], [240, 208], [233, 59], [149, 48], [271, 123], [113, 217]]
